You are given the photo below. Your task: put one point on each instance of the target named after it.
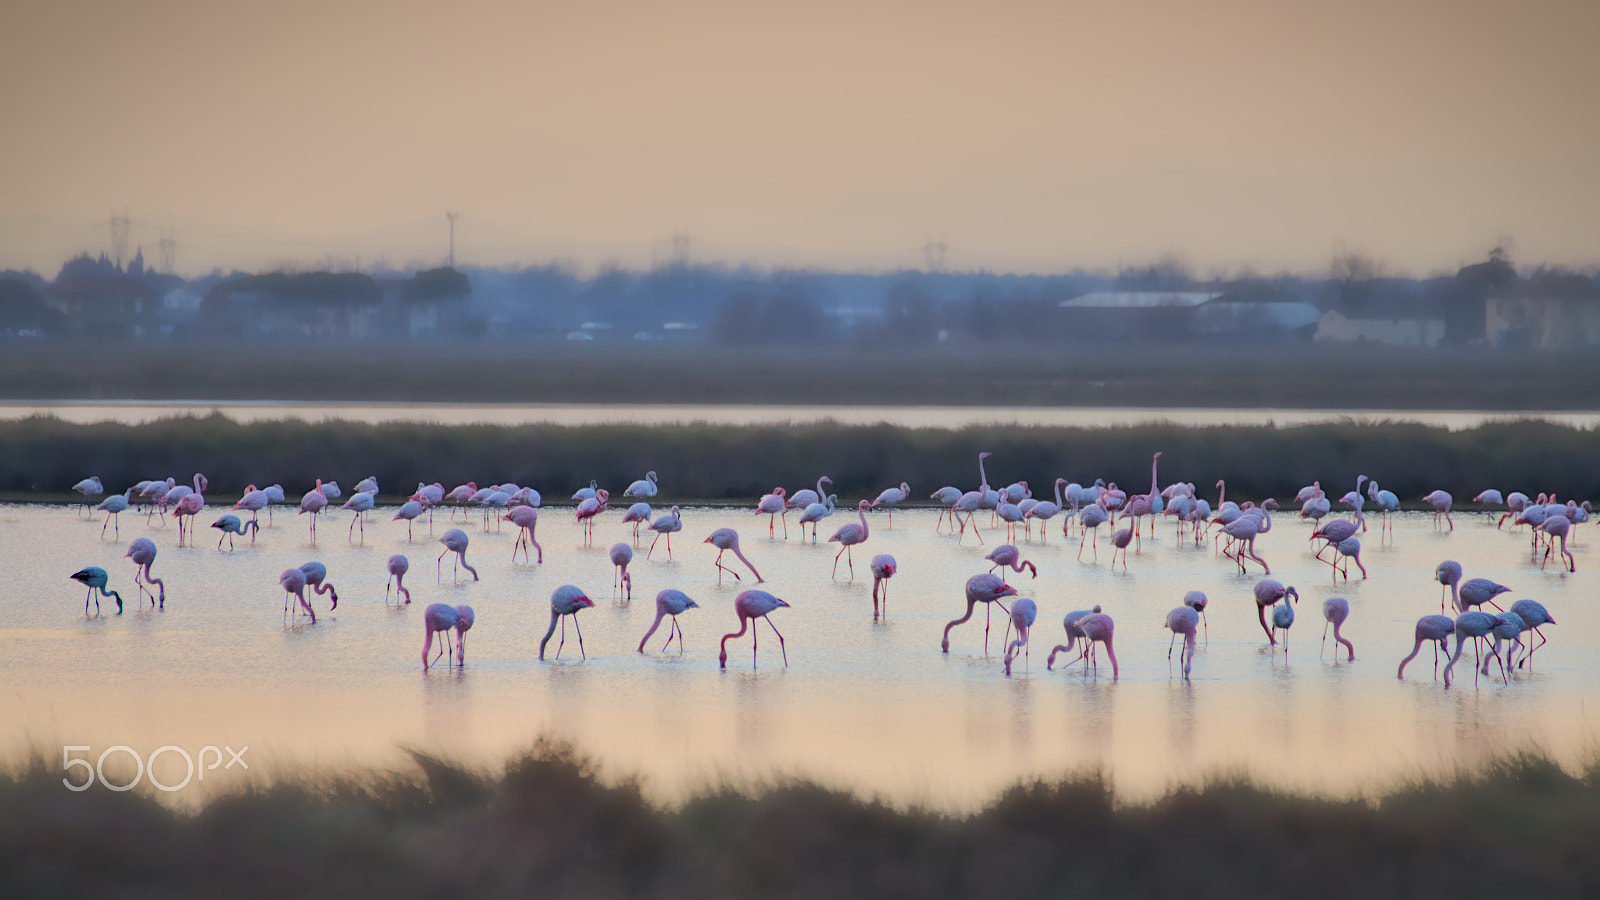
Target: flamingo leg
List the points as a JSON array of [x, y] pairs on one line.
[[783, 649]]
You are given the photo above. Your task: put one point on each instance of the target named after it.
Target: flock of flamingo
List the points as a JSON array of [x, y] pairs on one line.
[[1234, 526]]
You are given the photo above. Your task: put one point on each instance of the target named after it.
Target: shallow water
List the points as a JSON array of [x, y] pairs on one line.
[[138, 412], [874, 706]]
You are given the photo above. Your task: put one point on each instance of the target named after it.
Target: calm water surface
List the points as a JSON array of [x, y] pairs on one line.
[[874, 706], [909, 416]]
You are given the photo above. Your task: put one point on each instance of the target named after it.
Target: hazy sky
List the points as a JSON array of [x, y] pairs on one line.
[[1029, 136]]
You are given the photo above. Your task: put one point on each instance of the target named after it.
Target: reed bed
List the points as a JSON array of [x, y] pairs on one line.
[[550, 825], [42, 457]]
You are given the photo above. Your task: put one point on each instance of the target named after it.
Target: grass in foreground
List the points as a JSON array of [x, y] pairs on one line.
[[550, 826]]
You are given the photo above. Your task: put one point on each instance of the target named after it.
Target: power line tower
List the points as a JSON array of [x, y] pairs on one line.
[[933, 254], [452, 217], [119, 236], [168, 249]]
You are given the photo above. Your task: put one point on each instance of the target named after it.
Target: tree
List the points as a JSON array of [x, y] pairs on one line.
[[1466, 300]]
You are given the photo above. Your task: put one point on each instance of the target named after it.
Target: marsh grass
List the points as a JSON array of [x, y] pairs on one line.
[[42, 457], [550, 825]]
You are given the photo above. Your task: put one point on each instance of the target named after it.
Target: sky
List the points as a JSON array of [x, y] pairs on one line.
[[1235, 135]]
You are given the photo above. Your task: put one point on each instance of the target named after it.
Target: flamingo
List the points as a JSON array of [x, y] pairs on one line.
[[587, 493], [1440, 501], [947, 497], [115, 505], [1430, 628], [669, 522], [1007, 556], [95, 577], [1333, 533], [254, 500], [815, 513], [621, 555], [806, 496], [754, 604], [231, 525], [1011, 514], [587, 510], [669, 603], [1074, 633], [1516, 502], [143, 553], [566, 601], [274, 494], [638, 514], [1045, 510], [178, 492], [1557, 527], [187, 507], [157, 492], [1474, 624], [1283, 618], [89, 487], [883, 568], [1184, 620], [460, 495], [1508, 627], [1386, 502], [772, 505], [1119, 543], [1244, 530], [359, 503], [1196, 600], [330, 489], [1097, 627], [409, 511], [968, 503], [438, 617], [397, 566], [1534, 616], [1023, 612], [725, 539], [313, 502], [1141, 505], [984, 588], [1350, 550], [644, 488], [848, 536], [293, 581], [1315, 507], [464, 619], [454, 541], [317, 579], [368, 485], [526, 518], [892, 497], [1336, 610], [1267, 593], [1093, 516], [1356, 500]]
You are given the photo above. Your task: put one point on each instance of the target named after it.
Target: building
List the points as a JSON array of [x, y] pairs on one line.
[[1336, 327], [1552, 313], [1132, 315]]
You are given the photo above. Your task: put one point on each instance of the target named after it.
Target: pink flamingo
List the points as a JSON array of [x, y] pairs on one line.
[[294, 582], [566, 601], [397, 567], [409, 511], [464, 620], [1097, 627], [725, 539], [638, 514], [892, 497], [772, 506], [1557, 527], [1074, 634], [1350, 550], [113, 506], [1119, 543], [455, 541], [588, 509], [984, 588], [313, 502], [1333, 532], [1336, 610], [143, 553], [186, 508], [947, 497], [1007, 556], [666, 524], [1430, 628], [1093, 516], [621, 555], [848, 536], [1023, 612], [1196, 600], [669, 603], [526, 518], [438, 617], [1268, 592], [254, 500], [806, 496], [1184, 620], [1440, 501], [1045, 510], [1141, 505], [883, 568], [317, 579], [1244, 530], [754, 604], [460, 495]]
